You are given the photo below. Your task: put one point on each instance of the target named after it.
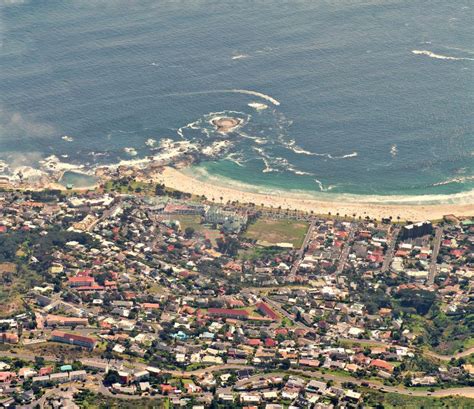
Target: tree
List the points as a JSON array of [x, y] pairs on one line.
[[111, 378], [189, 232], [39, 362]]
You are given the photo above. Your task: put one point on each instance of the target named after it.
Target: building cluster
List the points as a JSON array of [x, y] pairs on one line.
[[142, 297]]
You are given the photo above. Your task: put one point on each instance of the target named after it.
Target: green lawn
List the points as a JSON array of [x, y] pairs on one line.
[[256, 253], [194, 221], [132, 186], [270, 232]]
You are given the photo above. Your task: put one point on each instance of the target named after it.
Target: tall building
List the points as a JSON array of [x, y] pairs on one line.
[[420, 229]]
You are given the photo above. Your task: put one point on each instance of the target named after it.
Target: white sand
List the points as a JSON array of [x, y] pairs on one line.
[[180, 181]]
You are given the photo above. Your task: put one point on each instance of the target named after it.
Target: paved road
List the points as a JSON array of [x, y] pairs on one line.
[[276, 306], [107, 213], [339, 379], [434, 256], [391, 250], [458, 355], [345, 252], [466, 391], [301, 251]]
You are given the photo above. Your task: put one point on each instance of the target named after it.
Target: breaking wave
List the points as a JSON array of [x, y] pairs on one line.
[[321, 186], [456, 198], [255, 93], [394, 150], [224, 91], [462, 179], [440, 56], [240, 56], [349, 155]]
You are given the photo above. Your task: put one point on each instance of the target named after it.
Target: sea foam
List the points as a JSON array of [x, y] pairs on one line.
[[440, 56]]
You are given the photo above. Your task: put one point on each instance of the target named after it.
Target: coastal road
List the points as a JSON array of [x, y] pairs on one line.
[[434, 256]]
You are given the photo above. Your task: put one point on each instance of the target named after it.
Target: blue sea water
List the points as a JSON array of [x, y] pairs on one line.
[[367, 97]]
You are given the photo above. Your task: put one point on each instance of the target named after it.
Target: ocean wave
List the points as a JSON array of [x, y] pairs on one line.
[[67, 138], [130, 151], [97, 154], [223, 91], [291, 145], [216, 148], [257, 105], [247, 136], [461, 198], [349, 155], [299, 172], [301, 151], [394, 150], [268, 167], [150, 142], [321, 186], [240, 56], [191, 125], [255, 93], [236, 158], [461, 179], [278, 164], [440, 56]]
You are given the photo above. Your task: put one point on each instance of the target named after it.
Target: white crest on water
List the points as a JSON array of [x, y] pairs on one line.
[[431, 54]]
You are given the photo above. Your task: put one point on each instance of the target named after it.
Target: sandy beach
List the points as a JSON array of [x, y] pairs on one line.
[[179, 180]]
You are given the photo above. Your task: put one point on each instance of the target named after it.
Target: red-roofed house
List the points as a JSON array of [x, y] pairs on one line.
[[85, 281], [73, 339], [381, 364], [267, 311], [254, 342], [270, 343], [228, 313], [7, 376]]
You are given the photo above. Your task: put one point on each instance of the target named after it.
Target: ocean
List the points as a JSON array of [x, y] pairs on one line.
[[337, 98]]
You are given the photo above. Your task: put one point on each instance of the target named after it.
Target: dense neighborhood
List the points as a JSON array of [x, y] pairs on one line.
[[195, 303]]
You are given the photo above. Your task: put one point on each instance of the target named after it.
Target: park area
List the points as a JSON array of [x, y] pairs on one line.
[[194, 222], [269, 232]]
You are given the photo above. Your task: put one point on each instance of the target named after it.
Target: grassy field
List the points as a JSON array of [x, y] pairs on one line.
[[189, 220], [269, 232], [256, 253], [132, 186], [194, 221]]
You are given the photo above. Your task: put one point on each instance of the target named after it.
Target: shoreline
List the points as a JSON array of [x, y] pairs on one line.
[[178, 180], [172, 168]]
